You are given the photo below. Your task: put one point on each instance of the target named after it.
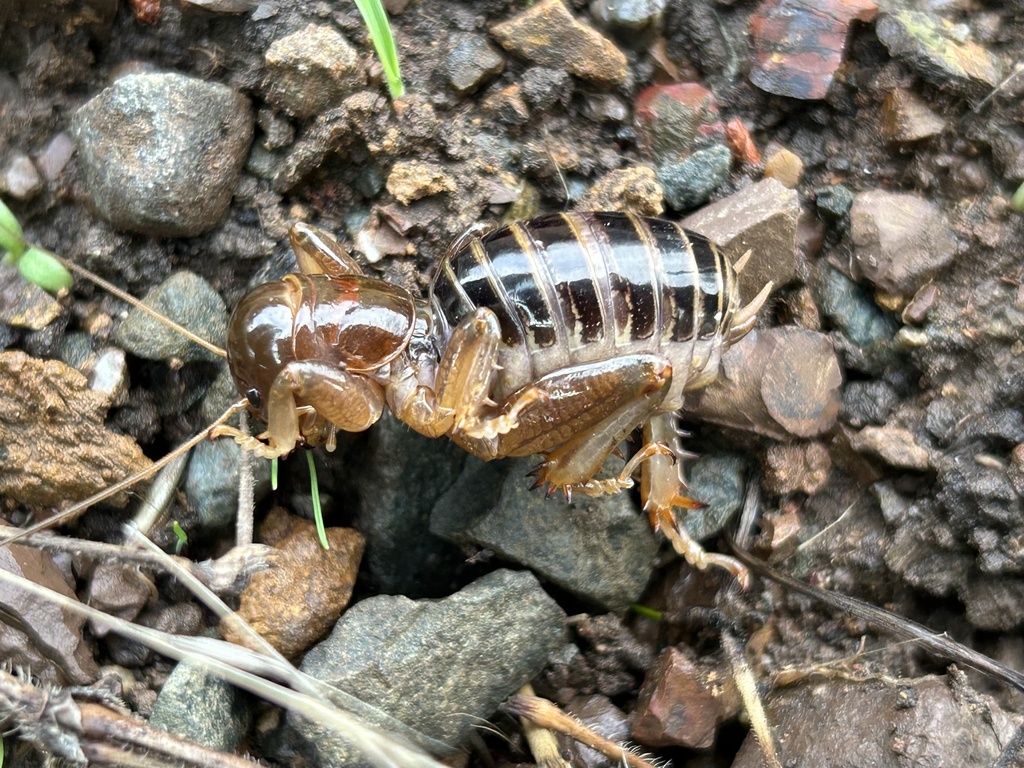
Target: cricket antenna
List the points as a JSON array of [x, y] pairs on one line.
[[76, 509], [128, 298]]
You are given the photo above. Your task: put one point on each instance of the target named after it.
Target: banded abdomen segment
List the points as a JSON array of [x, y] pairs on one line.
[[572, 288]]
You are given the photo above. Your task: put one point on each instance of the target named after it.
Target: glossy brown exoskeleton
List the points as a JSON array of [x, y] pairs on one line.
[[559, 336]]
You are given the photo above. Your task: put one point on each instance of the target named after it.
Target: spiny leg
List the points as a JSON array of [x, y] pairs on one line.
[[583, 413], [662, 489]]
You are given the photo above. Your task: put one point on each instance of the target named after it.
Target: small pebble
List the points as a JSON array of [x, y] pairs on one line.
[[900, 240], [472, 62], [785, 167], [20, 178], [834, 202], [895, 446], [635, 189], [692, 182], [682, 705], [548, 35], [676, 119], [109, 375], [55, 156], [24, 304], [761, 218], [719, 482], [120, 590], [907, 117], [311, 70], [188, 300], [507, 106], [196, 705], [414, 179], [627, 14], [796, 468], [543, 87]]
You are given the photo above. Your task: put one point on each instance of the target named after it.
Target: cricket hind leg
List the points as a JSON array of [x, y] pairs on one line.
[[663, 490]]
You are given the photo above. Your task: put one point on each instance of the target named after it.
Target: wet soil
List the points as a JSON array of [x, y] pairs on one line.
[[938, 541]]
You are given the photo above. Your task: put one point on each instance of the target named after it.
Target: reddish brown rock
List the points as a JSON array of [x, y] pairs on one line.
[[895, 446], [799, 44], [301, 595], [681, 704]]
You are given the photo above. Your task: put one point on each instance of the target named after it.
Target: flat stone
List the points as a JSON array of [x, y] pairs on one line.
[[311, 70], [612, 546], [24, 304], [900, 240], [547, 34], [761, 218], [300, 596], [52, 641], [799, 45], [938, 50], [439, 666], [162, 153]]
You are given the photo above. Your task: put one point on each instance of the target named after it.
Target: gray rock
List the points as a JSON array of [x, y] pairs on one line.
[[761, 218], [472, 62], [834, 201], [198, 706], [1008, 153], [543, 87], [311, 70], [939, 51], [440, 666], [719, 481], [854, 311], [211, 483], [900, 240], [188, 300], [399, 477], [601, 549], [692, 181], [162, 153], [995, 604], [627, 14]]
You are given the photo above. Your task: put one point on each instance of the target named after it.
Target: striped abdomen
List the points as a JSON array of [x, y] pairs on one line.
[[580, 287]]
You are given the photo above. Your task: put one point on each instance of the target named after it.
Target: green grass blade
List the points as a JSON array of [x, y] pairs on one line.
[[376, 21], [318, 513]]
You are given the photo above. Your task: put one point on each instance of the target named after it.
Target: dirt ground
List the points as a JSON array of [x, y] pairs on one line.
[[908, 498]]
